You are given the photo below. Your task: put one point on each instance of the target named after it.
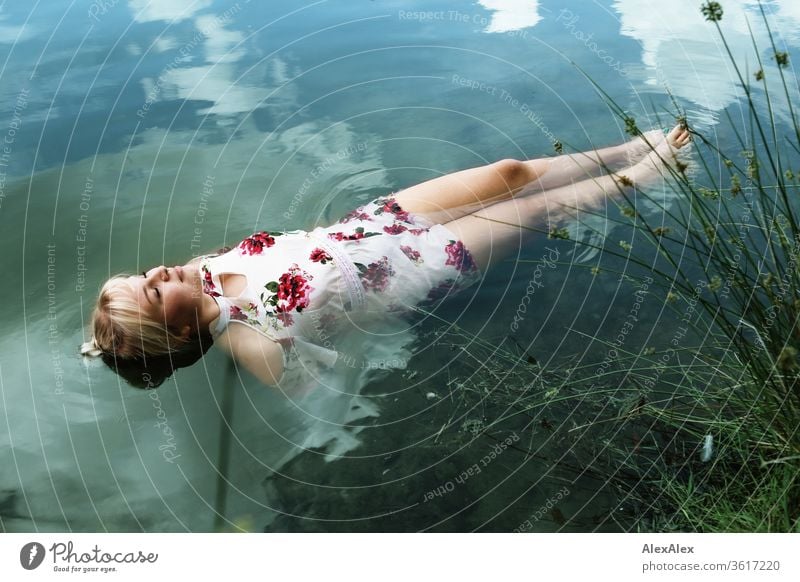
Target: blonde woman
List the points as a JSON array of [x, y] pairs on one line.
[[288, 305]]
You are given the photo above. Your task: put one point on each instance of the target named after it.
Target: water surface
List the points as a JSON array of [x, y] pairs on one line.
[[139, 133]]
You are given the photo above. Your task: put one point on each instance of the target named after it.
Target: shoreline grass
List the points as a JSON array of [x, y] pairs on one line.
[[715, 425]]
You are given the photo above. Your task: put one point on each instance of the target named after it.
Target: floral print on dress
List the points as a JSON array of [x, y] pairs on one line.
[[294, 270], [442, 290], [358, 234], [285, 319], [412, 254], [289, 293], [256, 243], [249, 314], [319, 255], [357, 214], [389, 204], [208, 282], [459, 257], [376, 276], [394, 229]]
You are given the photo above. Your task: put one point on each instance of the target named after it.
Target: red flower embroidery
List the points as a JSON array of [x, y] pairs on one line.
[[237, 313], [391, 205], [208, 283], [357, 235], [249, 314], [394, 229], [459, 257], [290, 292], [357, 214], [376, 275], [286, 319], [254, 244], [411, 254], [319, 255], [417, 231]]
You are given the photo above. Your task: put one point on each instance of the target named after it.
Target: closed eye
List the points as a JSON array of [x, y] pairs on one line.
[[158, 293]]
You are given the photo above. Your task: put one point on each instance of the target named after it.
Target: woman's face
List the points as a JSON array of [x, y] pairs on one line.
[[172, 295]]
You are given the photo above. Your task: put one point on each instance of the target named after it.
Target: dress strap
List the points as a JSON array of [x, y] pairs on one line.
[[218, 325], [355, 290]]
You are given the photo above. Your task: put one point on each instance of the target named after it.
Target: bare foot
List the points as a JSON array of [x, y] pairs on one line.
[[643, 144], [629, 153], [667, 151], [652, 137], [678, 137], [654, 164]]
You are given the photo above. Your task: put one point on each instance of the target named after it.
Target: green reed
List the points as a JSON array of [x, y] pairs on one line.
[[706, 439], [727, 253]]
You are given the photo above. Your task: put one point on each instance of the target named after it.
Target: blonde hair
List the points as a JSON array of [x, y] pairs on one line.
[[120, 329]]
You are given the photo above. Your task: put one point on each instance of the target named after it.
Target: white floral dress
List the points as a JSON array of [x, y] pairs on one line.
[[334, 298]]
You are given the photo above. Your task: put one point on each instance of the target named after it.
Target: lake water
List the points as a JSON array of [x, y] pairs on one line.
[[139, 133]]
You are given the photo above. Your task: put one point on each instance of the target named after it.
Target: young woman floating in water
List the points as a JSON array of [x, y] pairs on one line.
[[287, 305]]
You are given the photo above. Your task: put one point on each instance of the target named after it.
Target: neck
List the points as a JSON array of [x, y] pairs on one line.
[[209, 312], [208, 309]]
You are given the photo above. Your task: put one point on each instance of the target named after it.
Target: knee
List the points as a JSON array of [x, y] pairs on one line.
[[514, 173]]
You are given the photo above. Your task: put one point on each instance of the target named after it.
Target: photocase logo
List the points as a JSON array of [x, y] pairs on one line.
[[31, 555]]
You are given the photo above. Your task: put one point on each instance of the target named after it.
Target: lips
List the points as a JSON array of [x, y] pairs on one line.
[[179, 271]]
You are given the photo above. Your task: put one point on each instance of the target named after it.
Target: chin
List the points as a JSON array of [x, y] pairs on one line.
[[193, 285]]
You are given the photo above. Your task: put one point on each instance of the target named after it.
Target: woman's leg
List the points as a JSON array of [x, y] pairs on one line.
[[489, 241], [570, 168], [461, 193]]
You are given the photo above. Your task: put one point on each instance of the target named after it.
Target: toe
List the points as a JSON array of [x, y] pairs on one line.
[[682, 138], [675, 134]]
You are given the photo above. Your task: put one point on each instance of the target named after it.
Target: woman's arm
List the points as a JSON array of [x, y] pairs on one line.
[[260, 355]]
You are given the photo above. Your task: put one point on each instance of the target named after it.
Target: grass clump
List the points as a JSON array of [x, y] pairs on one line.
[[731, 254], [699, 431]]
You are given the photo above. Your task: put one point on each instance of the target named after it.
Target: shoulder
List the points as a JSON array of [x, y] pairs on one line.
[[195, 262]]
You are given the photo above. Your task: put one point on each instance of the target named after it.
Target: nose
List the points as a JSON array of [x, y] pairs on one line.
[[160, 272]]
